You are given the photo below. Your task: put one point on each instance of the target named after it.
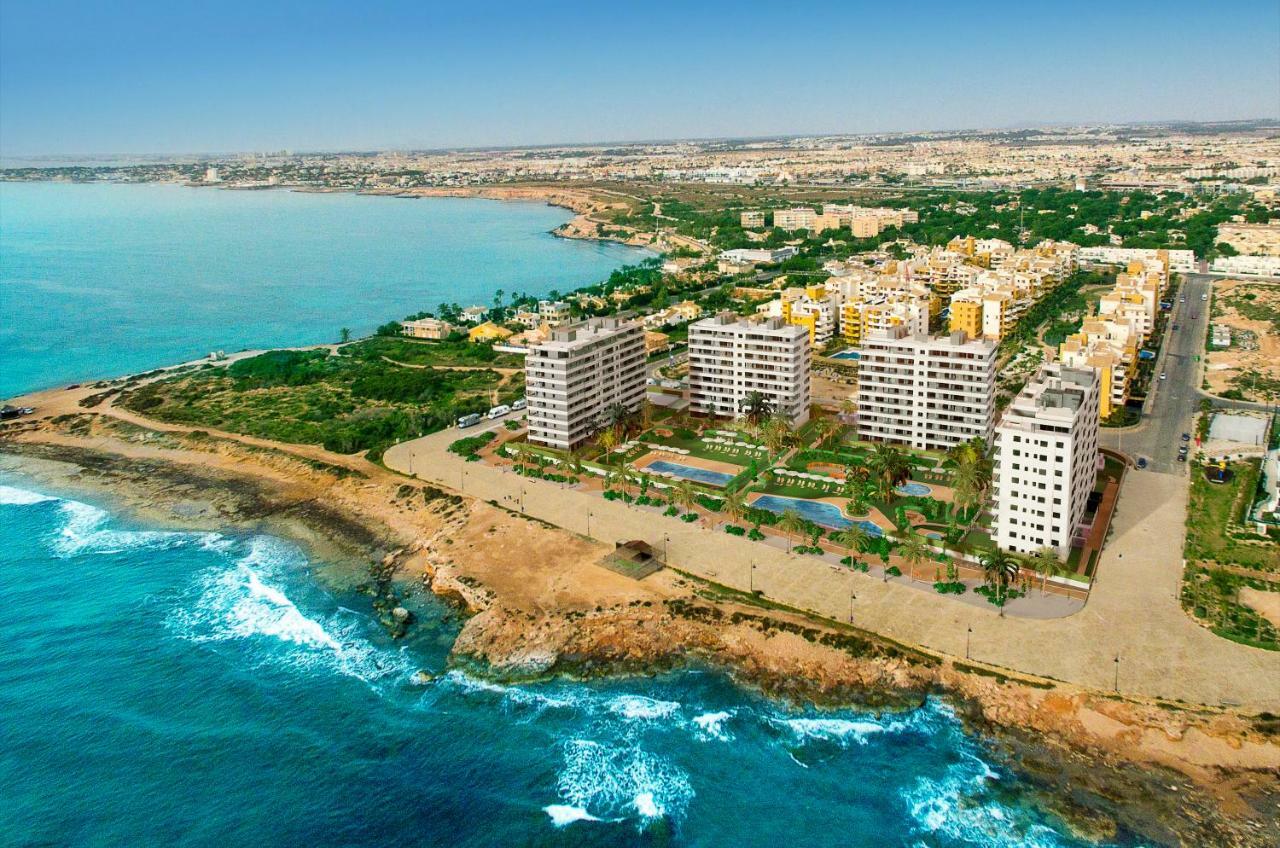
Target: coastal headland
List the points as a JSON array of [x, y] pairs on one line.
[[539, 604]]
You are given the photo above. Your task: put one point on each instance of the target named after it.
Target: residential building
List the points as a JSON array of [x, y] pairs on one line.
[[1047, 461], [758, 254], [731, 357], [1181, 261], [1110, 348], [1247, 266], [1220, 336], [554, 312], [861, 316], [578, 373], [655, 342], [488, 332], [427, 328], [752, 219], [926, 392], [814, 308], [475, 314]]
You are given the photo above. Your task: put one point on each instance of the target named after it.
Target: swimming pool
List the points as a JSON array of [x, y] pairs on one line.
[[819, 512], [846, 354], [689, 472], [913, 489]]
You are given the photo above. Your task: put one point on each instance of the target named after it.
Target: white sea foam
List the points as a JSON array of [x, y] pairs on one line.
[[84, 533], [639, 707], [620, 780], [836, 729], [956, 806], [244, 602], [563, 814], [13, 496], [711, 725], [539, 699]]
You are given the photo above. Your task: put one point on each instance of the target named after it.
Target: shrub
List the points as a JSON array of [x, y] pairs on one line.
[[469, 446], [735, 530]]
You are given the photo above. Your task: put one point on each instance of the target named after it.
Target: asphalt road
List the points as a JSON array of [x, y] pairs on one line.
[[1174, 401]]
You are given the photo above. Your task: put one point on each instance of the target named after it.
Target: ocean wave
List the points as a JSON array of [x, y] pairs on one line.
[[958, 807], [13, 496], [519, 696], [563, 815], [243, 602], [711, 725], [639, 707], [84, 532], [618, 781]]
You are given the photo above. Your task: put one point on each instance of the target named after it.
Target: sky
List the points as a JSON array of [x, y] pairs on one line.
[[89, 77]]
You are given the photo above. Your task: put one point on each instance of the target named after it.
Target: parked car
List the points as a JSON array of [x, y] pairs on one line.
[[1142, 462], [1175, 326], [520, 404], [1163, 375], [1204, 297], [1186, 437], [469, 420], [499, 411], [1182, 457]]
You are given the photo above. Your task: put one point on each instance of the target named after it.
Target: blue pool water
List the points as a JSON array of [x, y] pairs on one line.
[[99, 280], [205, 689], [846, 354], [913, 489], [689, 472], [819, 512]]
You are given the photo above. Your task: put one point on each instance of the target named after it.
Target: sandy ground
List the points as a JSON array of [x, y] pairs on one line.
[[1223, 365], [540, 604], [1266, 604]]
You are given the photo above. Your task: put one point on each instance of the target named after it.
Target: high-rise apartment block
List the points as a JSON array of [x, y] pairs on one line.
[[578, 373], [1047, 460], [730, 357], [926, 392]]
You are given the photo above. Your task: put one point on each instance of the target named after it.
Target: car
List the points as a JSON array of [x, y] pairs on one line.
[[1183, 449], [1186, 437], [1163, 375], [1195, 315], [1142, 462], [499, 411], [469, 420], [520, 404], [1182, 457], [1175, 326], [1204, 297]]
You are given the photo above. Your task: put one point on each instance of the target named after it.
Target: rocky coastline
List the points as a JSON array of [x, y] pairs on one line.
[[1173, 773]]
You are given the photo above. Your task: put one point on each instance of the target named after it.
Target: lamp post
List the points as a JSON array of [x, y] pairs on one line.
[[462, 479], [1116, 685], [751, 578], [666, 544], [852, 598], [968, 634], [588, 523]]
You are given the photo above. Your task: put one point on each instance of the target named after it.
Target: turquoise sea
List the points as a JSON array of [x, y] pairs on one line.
[[98, 280], [207, 689]]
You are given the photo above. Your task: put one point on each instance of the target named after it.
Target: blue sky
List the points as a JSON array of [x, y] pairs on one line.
[[148, 77]]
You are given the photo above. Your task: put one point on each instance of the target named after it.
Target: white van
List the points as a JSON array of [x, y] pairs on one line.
[[499, 411], [520, 404], [469, 420]]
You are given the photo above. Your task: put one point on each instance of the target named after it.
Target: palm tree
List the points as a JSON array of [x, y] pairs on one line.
[[575, 461], [792, 522], [913, 551], [735, 505], [777, 434], [890, 467], [848, 407], [617, 418], [999, 569], [1045, 560], [823, 430], [854, 537], [756, 407], [685, 495]]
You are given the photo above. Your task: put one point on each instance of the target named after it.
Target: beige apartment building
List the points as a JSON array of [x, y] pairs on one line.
[[427, 328], [578, 373], [752, 219], [1047, 461], [730, 357], [926, 392]]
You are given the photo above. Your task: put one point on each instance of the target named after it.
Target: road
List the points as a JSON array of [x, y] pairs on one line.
[[1174, 401]]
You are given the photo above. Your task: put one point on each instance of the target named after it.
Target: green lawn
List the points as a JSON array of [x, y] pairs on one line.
[[1212, 511]]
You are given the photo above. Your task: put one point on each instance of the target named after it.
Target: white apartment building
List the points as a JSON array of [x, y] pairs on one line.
[[730, 357], [554, 312], [926, 392], [1248, 266], [1181, 261], [580, 371], [1047, 461]]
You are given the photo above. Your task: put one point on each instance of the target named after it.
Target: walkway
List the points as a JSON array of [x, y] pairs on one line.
[[1132, 613]]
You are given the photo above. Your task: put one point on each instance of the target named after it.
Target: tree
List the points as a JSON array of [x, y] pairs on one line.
[[848, 408], [999, 569], [608, 440], [913, 551], [777, 434], [734, 506], [345, 334], [1045, 560], [890, 467], [756, 407], [824, 429], [792, 523], [685, 496], [616, 417], [854, 537]]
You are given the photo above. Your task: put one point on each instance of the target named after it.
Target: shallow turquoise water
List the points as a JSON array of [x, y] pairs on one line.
[[98, 280], [690, 472], [163, 688]]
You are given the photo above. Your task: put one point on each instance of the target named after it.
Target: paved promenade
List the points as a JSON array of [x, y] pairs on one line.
[[1132, 612]]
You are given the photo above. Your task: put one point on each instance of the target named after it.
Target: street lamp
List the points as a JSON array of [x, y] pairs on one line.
[[751, 578], [588, 523], [852, 598], [666, 543], [1117, 680], [968, 634]]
